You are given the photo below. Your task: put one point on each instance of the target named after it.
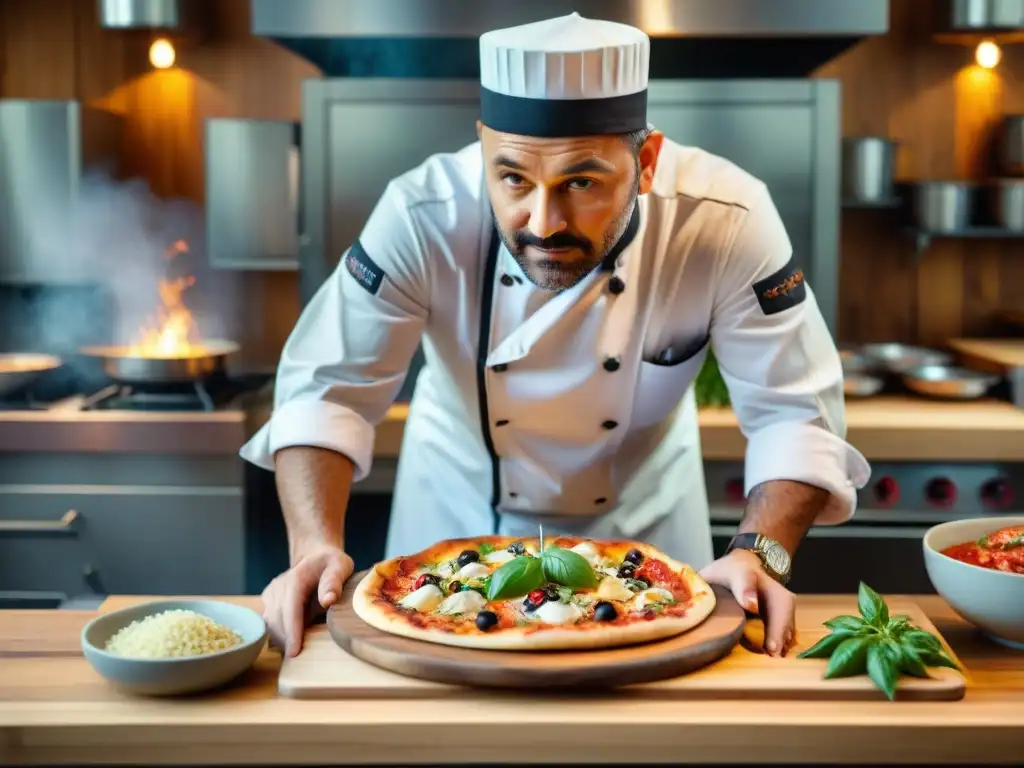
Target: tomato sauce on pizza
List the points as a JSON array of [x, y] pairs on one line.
[[524, 589]]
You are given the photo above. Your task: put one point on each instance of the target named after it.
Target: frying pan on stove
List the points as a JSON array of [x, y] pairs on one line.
[[126, 367], [18, 370]]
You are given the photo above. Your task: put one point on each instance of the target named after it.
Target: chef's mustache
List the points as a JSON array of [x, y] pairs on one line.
[[557, 240]]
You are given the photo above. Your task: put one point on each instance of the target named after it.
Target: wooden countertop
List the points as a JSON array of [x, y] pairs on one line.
[[882, 428], [54, 709]]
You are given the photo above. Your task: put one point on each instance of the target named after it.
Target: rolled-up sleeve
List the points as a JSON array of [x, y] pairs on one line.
[[345, 361], [781, 366]]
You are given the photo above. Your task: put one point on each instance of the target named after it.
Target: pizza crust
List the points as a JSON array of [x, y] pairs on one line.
[[540, 637]]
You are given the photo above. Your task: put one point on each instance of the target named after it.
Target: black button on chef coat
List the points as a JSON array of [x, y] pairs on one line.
[[609, 424], [507, 280], [615, 284], [611, 364], [500, 368]]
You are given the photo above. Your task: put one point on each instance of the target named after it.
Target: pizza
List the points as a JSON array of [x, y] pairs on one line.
[[513, 594]]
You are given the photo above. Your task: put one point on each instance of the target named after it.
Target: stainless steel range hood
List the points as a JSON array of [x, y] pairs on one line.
[[689, 38], [140, 14], [460, 18]]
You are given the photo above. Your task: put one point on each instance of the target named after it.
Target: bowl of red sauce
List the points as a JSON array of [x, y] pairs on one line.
[[977, 566]]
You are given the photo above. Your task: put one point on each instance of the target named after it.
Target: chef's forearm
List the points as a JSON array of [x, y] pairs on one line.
[[783, 510], [313, 485]]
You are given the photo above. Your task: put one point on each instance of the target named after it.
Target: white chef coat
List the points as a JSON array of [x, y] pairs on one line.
[[571, 409]]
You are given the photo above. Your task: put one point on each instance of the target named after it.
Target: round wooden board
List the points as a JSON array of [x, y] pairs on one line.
[[711, 640]]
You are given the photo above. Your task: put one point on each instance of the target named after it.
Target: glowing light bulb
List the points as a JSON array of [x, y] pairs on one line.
[[987, 54], [161, 54]]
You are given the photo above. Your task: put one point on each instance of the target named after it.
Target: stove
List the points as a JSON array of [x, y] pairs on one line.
[[214, 394], [882, 544], [205, 396]]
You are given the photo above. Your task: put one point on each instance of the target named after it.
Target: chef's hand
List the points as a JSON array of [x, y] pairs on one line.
[[742, 573], [293, 598]]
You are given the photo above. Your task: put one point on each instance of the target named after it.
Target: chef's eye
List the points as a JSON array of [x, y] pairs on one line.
[[580, 184], [512, 179]]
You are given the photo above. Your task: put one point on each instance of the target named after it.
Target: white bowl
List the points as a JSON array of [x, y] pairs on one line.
[[991, 600], [179, 675]]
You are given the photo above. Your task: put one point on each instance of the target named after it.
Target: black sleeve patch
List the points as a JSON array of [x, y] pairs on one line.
[[781, 290], [363, 268]]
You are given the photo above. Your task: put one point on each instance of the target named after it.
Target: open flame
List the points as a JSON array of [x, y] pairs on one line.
[[173, 331]]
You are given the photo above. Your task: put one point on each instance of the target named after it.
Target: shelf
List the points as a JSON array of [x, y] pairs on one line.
[[923, 238], [885, 204]]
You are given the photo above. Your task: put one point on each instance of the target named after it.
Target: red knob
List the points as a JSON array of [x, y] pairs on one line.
[[997, 493], [887, 491], [734, 491], [941, 492]]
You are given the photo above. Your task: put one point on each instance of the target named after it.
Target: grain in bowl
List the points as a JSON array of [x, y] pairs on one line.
[[174, 633]]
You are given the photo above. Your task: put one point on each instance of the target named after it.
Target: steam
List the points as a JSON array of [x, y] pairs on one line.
[[112, 251]]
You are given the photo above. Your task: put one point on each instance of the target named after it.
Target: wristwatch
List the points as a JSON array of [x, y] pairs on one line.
[[774, 557]]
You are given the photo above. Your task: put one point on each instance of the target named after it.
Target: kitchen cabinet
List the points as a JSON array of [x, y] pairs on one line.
[[48, 148], [252, 194], [78, 525]]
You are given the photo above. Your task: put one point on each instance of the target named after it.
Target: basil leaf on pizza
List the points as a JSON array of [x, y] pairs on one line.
[[516, 578], [514, 594], [567, 568]]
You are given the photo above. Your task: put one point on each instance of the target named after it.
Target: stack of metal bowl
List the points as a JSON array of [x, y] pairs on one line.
[[929, 372]]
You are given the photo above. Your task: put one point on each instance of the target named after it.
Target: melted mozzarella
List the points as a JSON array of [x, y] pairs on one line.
[[472, 571], [424, 599], [557, 612], [499, 558], [444, 570], [610, 571], [588, 551], [469, 601], [614, 588], [652, 595]]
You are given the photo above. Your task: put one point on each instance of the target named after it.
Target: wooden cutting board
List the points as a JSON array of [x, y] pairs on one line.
[[323, 670], [568, 670], [992, 355]]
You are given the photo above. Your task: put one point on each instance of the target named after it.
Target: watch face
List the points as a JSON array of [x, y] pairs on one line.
[[777, 558]]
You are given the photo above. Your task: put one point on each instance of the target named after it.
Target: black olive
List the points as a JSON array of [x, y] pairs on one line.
[[551, 592], [605, 611], [427, 578], [626, 571], [634, 556], [518, 548], [485, 620], [455, 586], [468, 556]]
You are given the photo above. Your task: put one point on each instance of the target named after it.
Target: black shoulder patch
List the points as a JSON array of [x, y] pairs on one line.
[[363, 268], [781, 290]]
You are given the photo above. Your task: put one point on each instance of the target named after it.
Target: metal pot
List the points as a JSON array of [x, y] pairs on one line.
[[985, 15], [1011, 145], [867, 172], [124, 366], [943, 206], [19, 370], [1007, 204]]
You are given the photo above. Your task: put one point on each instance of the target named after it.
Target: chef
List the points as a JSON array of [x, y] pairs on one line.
[[567, 276]]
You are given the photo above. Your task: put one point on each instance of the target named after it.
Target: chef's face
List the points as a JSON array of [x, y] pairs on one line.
[[561, 204]]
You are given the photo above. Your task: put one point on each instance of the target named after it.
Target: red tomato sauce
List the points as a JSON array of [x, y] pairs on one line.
[[1000, 551]]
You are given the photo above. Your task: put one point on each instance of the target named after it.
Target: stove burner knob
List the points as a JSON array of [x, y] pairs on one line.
[[887, 491], [734, 491], [941, 492], [997, 493]]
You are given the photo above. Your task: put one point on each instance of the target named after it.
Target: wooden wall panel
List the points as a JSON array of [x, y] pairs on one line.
[[942, 110], [57, 49], [903, 85]]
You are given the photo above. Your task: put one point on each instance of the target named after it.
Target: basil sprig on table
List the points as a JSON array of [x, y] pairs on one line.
[[878, 645], [525, 573]]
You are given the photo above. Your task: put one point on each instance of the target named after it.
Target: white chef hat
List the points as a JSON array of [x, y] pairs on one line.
[[567, 76]]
